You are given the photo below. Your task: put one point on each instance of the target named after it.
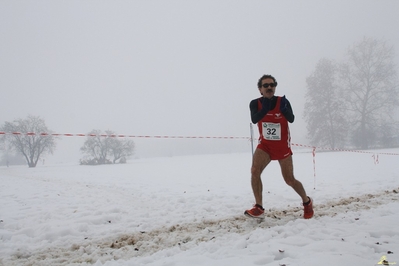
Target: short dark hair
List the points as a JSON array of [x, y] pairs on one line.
[[266, 77]]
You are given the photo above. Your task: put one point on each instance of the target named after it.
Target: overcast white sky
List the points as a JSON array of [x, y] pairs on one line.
[[171, 67]]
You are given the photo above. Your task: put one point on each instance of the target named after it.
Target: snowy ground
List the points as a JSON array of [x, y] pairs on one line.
[[189, 211]]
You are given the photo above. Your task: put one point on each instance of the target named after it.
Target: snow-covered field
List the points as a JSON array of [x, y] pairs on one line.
[[189, 211]]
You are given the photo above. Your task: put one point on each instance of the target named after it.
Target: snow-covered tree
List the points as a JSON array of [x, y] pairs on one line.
[[370, 78], [325, 111], [30, 146], [101, 148]]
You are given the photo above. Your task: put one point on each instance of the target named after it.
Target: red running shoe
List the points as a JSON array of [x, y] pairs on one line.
[[257, 211], [308, 209]]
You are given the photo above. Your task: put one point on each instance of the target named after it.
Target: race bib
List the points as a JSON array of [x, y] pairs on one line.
[[271, 131]]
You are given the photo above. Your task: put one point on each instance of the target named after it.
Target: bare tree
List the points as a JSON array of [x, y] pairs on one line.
[[370, 79], [99, 148], [121, 149], [31, 146], [96, 146], [325, 112]]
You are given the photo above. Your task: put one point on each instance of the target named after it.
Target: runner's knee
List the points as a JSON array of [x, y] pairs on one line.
[[255, 171], [290, 181]]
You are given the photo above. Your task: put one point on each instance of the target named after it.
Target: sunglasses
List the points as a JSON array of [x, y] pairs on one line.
[[266, 85]]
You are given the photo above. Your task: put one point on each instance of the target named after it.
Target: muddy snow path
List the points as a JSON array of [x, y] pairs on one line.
[[188, 235]]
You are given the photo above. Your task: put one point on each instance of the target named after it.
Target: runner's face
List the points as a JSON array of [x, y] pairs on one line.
[[269, 91]]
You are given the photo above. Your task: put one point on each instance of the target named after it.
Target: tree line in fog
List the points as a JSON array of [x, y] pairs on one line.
[[354, 103], [99, 147]]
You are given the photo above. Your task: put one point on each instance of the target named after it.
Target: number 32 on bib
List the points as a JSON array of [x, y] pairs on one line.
[[271, 131]]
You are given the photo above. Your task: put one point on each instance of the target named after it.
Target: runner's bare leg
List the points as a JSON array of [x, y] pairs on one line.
[[259, 161], [287, 170]]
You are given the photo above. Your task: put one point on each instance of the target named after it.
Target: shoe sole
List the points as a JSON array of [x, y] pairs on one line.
[[261, 217]]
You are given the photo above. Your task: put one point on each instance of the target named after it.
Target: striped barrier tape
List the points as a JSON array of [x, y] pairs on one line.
[[116, 135], [314, 148]]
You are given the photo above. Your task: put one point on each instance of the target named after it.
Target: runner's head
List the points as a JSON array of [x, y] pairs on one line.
[[267, 86]]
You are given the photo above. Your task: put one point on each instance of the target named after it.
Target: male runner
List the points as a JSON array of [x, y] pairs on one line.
[[272, 114]]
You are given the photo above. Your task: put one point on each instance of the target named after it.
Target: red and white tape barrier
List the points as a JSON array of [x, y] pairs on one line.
[[117, 135], [345, 150], [375, 154], [178, 137]]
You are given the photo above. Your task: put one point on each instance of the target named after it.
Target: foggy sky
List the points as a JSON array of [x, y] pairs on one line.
[[171, 67]]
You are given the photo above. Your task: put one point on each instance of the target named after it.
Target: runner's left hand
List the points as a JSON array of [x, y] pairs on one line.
[[283, 104]]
